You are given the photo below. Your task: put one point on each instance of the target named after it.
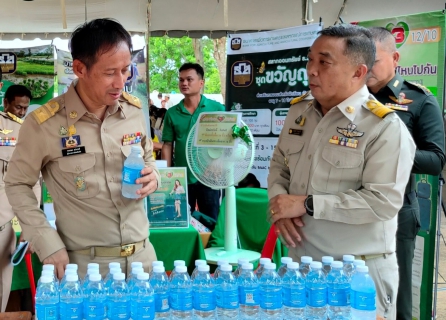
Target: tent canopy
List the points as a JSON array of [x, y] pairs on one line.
[[44, 18]]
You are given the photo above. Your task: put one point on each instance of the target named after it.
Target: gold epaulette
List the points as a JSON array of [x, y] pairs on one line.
[[299, 99], [46, 111], [423, 88], [378, 108], [131, 99], [14, 118]]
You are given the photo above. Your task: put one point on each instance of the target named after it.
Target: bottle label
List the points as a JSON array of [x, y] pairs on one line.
[[271, 299], [294, 298], [130, 175], [316, 297], [181, 301], [71, 310], [94, 310], [45, 312], [364, 300], [227, 299], [162, 302], [249, 296], [145, 310], [338, 297], [120, 310], [204, 301]]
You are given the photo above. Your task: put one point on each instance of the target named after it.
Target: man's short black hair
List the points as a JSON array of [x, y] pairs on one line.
[[94, 38], [17, 90], [195, 66], [384, 37], [359, 44], [249, 181]]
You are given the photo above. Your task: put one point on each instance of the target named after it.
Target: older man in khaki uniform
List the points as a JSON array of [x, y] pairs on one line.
[[16, 103], [80, 141], [340, 168]]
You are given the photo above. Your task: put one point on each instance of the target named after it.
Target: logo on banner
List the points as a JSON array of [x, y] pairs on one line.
[[8, 62], [242, 74], [236, 43], [400, 31]]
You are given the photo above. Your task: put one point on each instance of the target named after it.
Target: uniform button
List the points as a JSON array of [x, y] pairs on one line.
[[123, 226], [108, 154], [119, 203], [104, 130], [78, 168], [322, 214], [309, 156], [337, 163], [320, 130], [111, 179], [302, 185]]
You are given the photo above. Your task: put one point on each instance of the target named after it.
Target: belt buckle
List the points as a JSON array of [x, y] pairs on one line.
[[127, 250]]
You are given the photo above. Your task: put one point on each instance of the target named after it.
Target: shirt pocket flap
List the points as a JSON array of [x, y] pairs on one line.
[[78, 163], [341, 158], [6, 153], [294, 147]]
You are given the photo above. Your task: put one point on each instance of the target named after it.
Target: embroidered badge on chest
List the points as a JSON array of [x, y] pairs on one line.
[[350, 131], [132, 138]]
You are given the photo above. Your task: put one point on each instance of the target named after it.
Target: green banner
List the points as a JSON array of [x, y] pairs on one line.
[[420, 40]]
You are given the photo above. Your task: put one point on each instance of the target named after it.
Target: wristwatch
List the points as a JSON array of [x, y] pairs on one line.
[[309, 205]]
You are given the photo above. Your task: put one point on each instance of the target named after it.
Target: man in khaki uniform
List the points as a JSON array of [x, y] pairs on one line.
[[341, 165], [16, 103], [80, 141]]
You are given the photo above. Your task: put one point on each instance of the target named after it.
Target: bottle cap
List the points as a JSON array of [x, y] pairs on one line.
[[348, 258], [359, 263], [363, 269], [270, 266], [114, 265], [242, 261], [48, 267], [292, 265], [46, 279], [337, 264], [203, 268], [136, 264], [71, 266], [286, 260], [180, 269], [226, 267], [159, 269], [222, 262], [95, 277], [49, 273], [70, 271], [157, 263], [136, 149], [119, 276], [115, 270], [72, 277], [177, 263], [92, 271], [327, 259], [264, 261], [143, 276], [199, 262], [137, 270], [306, 259], [93, 266], [316, 265], [247, 266]]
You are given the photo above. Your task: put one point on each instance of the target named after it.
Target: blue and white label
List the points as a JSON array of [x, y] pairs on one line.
[[145, 310], [119, 310], [47, 312], [249, 296], [271, 299], [338, 297], [162, 302], [71, 311], [294, 298], [364, 300], [227, 299], [316, 297], [94, 310], [130, 175], [181, 301], [204, 301]]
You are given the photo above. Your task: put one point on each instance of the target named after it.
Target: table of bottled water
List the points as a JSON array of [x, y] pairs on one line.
[[335, 290]]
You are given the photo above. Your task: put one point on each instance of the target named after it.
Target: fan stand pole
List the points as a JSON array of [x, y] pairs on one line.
[[231, 221]]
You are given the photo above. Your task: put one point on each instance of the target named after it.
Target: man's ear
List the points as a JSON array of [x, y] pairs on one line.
[[360, 72], [396, 58], [79, 68]]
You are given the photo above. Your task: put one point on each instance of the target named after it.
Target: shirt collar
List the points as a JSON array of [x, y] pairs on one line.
[[396, 84], [200, 105], [350, 106]]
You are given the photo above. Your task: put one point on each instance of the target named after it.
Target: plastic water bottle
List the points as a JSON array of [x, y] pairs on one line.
[[304, 267], [249, 293], [118, 298], [294, 300], [316, 292], [261, 266], [109, 275], [71, 299], [155, 264], [47, 300], [326, 264], [131, 172], [283, 267], [131, 280], [160, 284], [198, 262], [349, 268], [270, 293], [226, 294], [180, 294], [143, 298], [73, 266], [94, 297], [356, 264], [47, 273], [112, 272], [204, 300], [136, 264], [92, 266], [176, 263], [363, 295], [48, 267], [84, 283], [240, 263], [338, 293], [64, 279], [218, 269]]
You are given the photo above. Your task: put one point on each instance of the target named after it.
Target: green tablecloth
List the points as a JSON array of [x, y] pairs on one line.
[[170, 244]]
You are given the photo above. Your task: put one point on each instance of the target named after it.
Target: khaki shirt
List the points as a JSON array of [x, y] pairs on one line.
[[9, 129], [357, 191], [86, 188]]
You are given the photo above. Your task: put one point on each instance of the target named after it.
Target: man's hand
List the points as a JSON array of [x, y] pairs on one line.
[[287, 232], [60, 260], [285, 206], [148, 181]]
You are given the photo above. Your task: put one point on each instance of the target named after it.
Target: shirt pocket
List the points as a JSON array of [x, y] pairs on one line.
[[5, 157], [78, 175], [293, 151], [339, 170]]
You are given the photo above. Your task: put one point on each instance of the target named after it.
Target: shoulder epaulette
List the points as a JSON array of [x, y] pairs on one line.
[[420, 87], [300, 98], [378, 108], [46, 111], [14, 118], [131, 99]]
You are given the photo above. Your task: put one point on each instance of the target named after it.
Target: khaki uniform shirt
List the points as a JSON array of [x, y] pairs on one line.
[[9, 131], [357, 191], [86, 188]]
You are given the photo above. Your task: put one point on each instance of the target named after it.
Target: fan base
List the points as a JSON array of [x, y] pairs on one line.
[[217, 253]]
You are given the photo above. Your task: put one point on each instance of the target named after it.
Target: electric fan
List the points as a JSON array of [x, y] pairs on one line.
[[222, 168]]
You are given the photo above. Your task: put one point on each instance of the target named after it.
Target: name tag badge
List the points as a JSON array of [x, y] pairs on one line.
[[295, 132], [73, 151]]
